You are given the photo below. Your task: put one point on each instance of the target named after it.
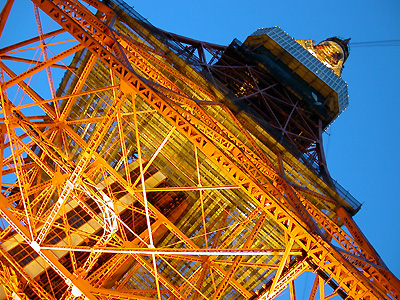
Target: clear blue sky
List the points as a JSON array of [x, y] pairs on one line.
[[362, 146]]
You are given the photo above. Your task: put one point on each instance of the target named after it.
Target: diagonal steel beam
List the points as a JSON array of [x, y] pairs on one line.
[[42, 66], [78, 86], [4, 14], [47, 255], [238, 259], [30, 92], [281, 284], [38, 289], [29, 41]]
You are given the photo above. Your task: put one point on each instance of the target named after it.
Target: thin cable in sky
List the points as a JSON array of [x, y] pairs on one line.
[[386, 43]]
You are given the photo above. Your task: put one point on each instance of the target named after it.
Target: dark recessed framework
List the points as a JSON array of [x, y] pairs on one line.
[[168, 168]]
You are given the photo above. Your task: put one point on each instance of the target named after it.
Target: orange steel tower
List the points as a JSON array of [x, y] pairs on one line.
[[139, 164]]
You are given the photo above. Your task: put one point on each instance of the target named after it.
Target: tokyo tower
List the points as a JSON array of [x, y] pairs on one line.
[[141, 164]]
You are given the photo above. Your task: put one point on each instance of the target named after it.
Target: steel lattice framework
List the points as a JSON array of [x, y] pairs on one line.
[[140, 177]]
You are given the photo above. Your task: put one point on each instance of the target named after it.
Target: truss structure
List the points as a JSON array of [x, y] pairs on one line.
[[141, 177]]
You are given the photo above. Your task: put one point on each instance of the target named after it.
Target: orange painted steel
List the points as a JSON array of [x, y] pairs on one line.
[[138, 181]]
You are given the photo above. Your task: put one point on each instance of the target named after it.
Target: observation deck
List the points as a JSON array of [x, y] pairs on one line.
[[312, 79]]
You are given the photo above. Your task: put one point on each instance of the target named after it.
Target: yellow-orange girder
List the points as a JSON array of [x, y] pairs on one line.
[[273, 197]]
